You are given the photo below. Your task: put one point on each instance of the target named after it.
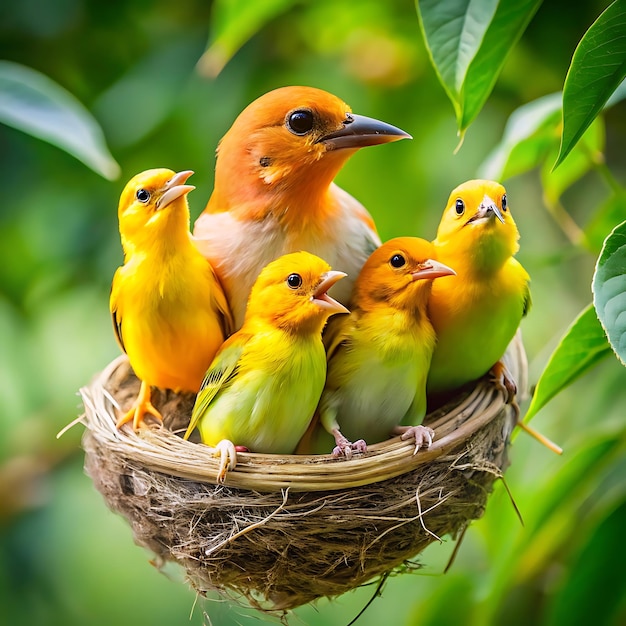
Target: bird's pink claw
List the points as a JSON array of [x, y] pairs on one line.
[[346, 448], [423, 435], [226, 451]]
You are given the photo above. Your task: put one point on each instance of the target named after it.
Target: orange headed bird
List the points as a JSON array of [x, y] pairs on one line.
[[274, 191], [379, 355]]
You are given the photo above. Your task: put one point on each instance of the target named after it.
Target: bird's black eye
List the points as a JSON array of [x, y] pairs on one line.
[[459, 207], [143, 195], [504, 203], [300, 122], [397, 260], [294, 281]]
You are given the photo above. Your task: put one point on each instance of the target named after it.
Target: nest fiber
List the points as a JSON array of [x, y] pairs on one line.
[[285, 530]]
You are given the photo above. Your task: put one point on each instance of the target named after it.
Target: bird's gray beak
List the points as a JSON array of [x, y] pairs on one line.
[[486, 209], [359, 131]]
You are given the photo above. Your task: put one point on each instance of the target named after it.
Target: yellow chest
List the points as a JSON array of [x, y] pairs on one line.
[[170, 327]]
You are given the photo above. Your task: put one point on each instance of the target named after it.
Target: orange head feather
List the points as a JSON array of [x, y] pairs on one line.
[[151, 203], [284, 150], [477, 227], [291, 294], [399, 274]]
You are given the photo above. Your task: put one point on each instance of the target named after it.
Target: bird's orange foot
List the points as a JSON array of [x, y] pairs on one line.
[[423, 435], [503, 380], [226, 451], [141, 407], [345, 447]]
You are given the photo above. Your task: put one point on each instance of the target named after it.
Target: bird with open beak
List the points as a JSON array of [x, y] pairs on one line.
[[262, 388]]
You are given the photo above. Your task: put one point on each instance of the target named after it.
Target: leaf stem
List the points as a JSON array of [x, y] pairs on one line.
[[565, 221], [603, 170]]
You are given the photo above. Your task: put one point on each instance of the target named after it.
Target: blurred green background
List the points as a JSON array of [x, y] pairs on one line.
[[64, 558]]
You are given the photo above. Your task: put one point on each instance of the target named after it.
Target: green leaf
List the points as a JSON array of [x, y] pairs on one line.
[[233, 23], [468, 43], [618, 95], [580, 160], [593, 587], [582, 346], [609, 289], [597, 69], [31, 102], [606, 217], [128, 108], [528, 135]]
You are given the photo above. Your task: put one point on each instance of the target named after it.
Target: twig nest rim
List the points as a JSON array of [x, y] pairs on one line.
[[286, 530], [161, 450]]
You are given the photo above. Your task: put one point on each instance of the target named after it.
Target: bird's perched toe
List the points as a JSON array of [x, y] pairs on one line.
[[503, 380], [226, 452], [423, 435], [346, 448]]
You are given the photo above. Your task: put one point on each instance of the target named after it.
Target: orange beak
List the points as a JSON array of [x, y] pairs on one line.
[[321, 297], [174, 188], [432, 269]]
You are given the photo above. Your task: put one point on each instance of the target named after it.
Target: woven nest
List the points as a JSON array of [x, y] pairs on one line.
[[285, 530]]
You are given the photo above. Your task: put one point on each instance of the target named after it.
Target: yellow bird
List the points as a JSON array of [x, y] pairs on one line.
[[476, 313], [169, 312], [379, 355], [261, 390]]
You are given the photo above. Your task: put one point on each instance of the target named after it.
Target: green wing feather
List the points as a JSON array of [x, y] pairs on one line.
[[527, 301], [219, 376]]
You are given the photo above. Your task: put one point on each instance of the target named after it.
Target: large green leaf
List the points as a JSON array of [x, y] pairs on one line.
[[233, 23], [527, 137], [582, 346], [598, 68], [31, 102], [609, 289], [468, 43]]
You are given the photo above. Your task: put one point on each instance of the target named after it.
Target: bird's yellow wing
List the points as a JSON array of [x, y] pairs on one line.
[[219, 375], [114, 306]]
